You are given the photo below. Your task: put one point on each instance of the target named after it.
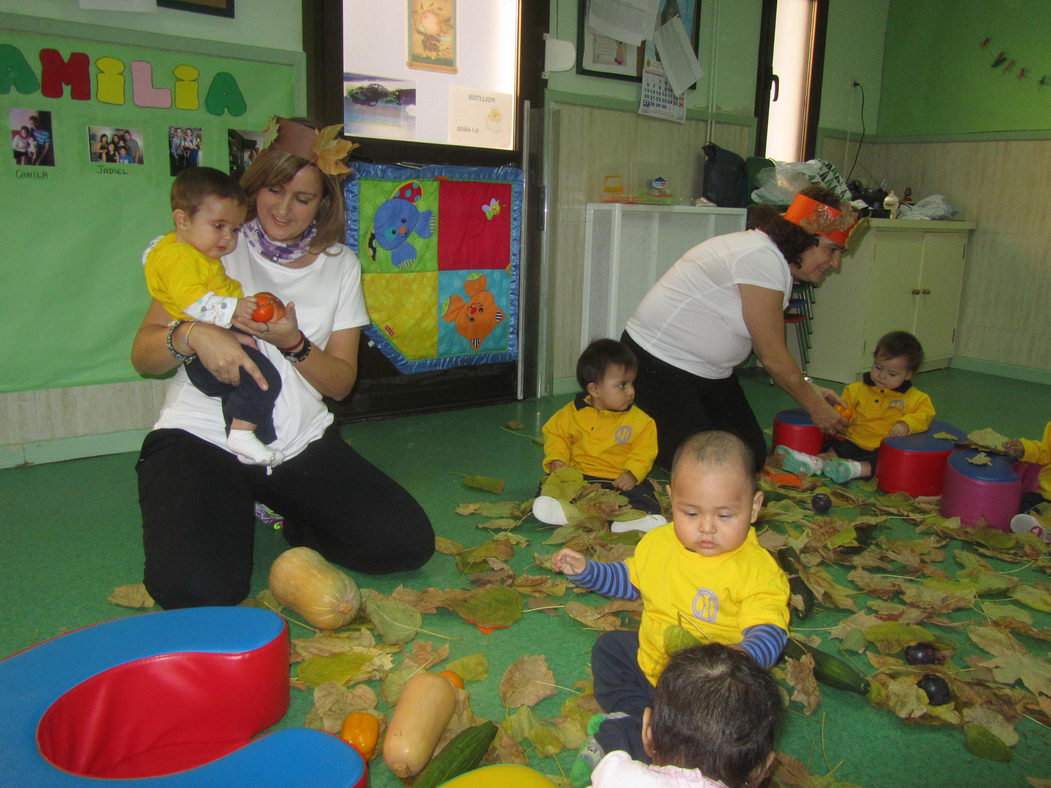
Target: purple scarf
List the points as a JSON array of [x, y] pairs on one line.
[[277, 251]]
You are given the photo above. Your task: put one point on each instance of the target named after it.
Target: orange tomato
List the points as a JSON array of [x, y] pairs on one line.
[[846, 413], [453, 677], [361, 731], [267, 307]]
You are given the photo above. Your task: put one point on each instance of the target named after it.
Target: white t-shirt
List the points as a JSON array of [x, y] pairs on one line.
[[327, 294], [618, 770], [692, 317]]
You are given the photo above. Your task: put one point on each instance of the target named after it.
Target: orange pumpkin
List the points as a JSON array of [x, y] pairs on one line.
[[361, 731], [268, 307]]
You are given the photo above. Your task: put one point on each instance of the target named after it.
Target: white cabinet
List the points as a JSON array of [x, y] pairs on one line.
[[628, 247], [901, 274]]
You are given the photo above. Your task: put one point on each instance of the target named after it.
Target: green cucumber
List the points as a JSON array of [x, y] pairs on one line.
[[463, 753], [829, 669], [789, 561]]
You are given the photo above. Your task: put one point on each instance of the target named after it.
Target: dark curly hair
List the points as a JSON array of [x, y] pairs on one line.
[[599, 356], [790, 238]]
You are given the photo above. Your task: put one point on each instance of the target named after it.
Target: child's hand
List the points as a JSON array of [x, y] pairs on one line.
[[626, 481], [569, 562], [245, 308], [899, 428], [555, 465], [1014, 448]]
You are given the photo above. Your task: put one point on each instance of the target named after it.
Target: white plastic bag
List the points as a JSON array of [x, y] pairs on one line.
[[933, 207], [780, 183]]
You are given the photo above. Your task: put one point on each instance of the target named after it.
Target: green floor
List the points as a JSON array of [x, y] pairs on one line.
[[72, 535]]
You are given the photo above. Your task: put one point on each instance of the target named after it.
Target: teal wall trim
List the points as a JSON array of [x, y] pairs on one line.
[[1029, 374], [61, 449]]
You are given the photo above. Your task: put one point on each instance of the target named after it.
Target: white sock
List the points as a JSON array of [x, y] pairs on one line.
[[647, 523], [549, 510], [250, 450]]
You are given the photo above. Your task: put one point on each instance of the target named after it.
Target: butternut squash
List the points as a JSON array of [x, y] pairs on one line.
[[423, 711], [301, 579]]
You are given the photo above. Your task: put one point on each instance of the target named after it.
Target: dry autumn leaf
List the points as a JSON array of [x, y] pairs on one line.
[[134, 595], [527, 682]]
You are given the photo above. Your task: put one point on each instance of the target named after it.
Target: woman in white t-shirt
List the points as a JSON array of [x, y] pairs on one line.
[[197, 498], [723, 299]]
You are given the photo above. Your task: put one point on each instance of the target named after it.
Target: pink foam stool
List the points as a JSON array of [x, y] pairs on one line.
[[972, 492], [915, 464], [794, 429]]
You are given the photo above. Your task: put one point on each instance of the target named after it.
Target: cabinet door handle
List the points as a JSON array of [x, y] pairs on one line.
[[926, 292], [915, 291]]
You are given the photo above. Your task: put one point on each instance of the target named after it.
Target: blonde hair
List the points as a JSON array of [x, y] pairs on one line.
[[276, 168]]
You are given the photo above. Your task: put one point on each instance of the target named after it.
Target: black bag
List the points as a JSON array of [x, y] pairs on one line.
[[725, 177]]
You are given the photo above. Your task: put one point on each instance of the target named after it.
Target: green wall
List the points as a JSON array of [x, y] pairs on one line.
[[733, 45], [853, 52], [938, 80]]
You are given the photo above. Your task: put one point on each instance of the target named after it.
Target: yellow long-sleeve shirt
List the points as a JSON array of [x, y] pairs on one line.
[[876, 409], [1040, 453], [602, 443], [178, 276]]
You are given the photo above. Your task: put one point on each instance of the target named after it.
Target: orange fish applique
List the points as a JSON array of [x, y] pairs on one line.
[[475, 318]]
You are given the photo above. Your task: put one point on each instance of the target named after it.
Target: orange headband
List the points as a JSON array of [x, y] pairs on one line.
[[820, 219], [323, 148]]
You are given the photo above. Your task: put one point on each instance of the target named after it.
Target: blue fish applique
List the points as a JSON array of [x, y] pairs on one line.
[[397, 219]]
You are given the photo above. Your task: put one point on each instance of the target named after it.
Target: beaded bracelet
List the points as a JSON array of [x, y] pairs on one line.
[[171, 335]]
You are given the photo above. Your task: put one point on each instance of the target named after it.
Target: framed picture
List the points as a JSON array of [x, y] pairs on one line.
[[601, 56], [213, 7], [431, 44]]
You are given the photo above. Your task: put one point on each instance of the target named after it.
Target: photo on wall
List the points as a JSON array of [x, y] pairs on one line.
[[244, 145], [31, 140], [184, 147], [109, 145], [379, 107]]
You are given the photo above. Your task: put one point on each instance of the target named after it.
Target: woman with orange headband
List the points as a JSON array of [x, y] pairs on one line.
[[723, 299], [196, 497]]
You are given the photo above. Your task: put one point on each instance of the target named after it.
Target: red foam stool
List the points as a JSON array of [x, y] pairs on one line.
[[972, 492], [174, 698], [794, 429], [915, 464]]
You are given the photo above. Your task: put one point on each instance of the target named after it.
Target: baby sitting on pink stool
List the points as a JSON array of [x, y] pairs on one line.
[[884, 404], [1035, 506]]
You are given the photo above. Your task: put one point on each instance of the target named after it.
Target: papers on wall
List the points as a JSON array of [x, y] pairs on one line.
[[677, 56], [657, 99], [630, 21]]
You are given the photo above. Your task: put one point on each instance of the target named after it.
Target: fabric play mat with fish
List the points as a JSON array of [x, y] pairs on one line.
[[439, 250]]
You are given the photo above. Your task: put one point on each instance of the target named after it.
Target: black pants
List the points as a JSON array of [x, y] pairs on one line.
[[198, 521], [620, 685], [642, 496], [245, 400], [682, 403]]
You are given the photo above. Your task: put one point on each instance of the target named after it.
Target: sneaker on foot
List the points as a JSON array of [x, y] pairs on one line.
[[1027, 524], [644, 524], [842, 470], [799, 462], [549, 510], [591, 753]]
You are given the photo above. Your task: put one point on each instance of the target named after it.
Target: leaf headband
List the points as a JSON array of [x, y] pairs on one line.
[[323, 148], [820, 219]]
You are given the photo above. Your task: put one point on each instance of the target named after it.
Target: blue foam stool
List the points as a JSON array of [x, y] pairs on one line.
[[915, 464], [973, 492], [167, 699]]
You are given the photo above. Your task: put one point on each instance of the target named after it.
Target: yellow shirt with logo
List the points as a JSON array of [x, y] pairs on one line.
[[718, 597], [1040, 453], [602, 443], [179, 276], [876, 409]]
